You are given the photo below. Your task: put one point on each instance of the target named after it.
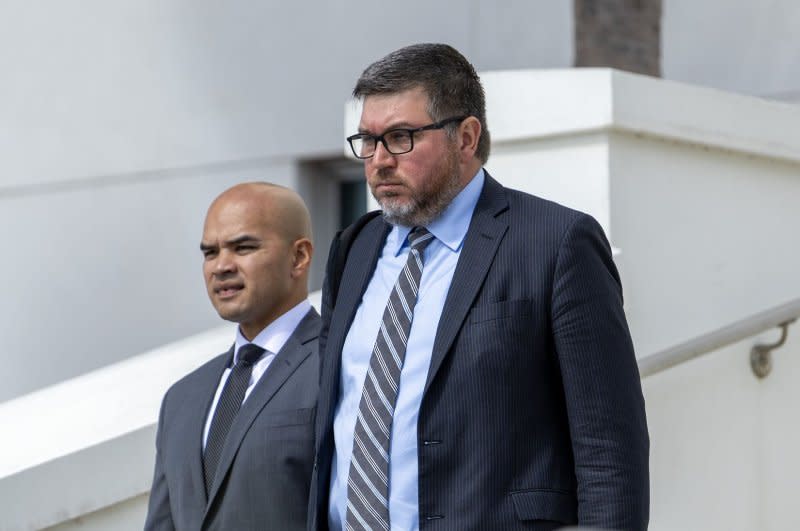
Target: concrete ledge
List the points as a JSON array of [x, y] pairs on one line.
[[89, 443], [527, 104], [79, 483]]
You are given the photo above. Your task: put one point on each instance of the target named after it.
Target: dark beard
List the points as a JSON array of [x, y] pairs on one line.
[[425, 208]]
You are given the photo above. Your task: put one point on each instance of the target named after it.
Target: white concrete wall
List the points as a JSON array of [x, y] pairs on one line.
[[86, 446], [98, 89], [735, 45], [734, 214], [698, 190], [128, 515], [723, 456], [695, 186], [83, 450], [724, 444], [120, 121], [96, 274]]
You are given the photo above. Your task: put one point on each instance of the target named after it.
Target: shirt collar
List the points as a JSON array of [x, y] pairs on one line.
[[275, 335], [451, 227]]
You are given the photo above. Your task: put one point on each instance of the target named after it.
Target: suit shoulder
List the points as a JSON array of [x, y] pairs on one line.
[[313, 318], [535, 210], [309, 327], [199, 375]]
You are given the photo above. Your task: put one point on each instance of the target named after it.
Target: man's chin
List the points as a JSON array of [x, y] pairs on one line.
[[397, 212], [399, 218], [234, 315]]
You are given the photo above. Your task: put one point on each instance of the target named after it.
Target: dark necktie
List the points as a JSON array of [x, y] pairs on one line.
[[228, 405], [368, 477]]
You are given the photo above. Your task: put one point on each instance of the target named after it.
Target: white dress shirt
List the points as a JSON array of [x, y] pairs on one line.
[[271, 339]]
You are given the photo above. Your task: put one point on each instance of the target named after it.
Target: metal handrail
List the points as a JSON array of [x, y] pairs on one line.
[[780, 316]]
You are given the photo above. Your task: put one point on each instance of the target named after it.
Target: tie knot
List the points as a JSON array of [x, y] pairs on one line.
[[250, 353], [419, 238]]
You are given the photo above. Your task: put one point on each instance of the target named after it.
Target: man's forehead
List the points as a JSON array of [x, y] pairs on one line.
[[231, 217], [399, 107], [411, 96]]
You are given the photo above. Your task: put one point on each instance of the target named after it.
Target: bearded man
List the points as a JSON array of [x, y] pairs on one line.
[[477, 368]]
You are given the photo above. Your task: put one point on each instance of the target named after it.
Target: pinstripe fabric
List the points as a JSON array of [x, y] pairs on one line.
[[228, 406], [533, 416], [263, 474], [368, 479]]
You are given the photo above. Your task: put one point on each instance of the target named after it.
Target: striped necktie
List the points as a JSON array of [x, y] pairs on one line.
[[227, 407], [368, 477]]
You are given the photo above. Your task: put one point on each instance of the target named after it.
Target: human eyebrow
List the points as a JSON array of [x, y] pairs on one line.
[[207, 246], [399, 125], [244, 238]]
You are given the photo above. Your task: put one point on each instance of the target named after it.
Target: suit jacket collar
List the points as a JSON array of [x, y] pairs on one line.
[[361, 262], [486, 231], [201, 393], [487, 228], [294, 352]]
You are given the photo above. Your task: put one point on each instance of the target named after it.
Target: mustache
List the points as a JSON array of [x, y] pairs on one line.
[[385, 174]]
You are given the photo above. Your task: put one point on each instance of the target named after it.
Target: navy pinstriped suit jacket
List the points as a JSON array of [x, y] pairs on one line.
[[532, 415]]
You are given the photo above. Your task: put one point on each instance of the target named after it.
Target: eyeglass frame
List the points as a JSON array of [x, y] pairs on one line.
[[381, 138]]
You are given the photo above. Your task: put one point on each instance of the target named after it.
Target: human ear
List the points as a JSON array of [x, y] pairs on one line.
[[302, 251], [469, 132]]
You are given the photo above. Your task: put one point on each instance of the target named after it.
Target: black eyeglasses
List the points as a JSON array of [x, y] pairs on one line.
[[396, 141]]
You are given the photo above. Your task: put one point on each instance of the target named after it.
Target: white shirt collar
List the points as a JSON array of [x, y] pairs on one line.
[[274, 336]]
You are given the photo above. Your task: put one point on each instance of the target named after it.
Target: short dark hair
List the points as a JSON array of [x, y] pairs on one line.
[[447, 78]]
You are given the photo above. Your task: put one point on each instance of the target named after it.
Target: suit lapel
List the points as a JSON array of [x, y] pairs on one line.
[[361, 263], [486, 231], [202, 393], [293, 353], [357, 273]]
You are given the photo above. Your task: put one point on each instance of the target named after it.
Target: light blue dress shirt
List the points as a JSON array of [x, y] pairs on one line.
[[441, 257]]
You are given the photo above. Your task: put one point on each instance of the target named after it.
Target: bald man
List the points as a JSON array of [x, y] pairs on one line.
[[235, 437]]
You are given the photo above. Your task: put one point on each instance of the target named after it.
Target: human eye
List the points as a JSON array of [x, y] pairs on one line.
[[398, 139], [244, 248], [209, 253], [364, 144]]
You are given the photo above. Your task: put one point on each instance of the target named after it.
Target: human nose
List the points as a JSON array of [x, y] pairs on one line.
[[382, 157], [224, 264]]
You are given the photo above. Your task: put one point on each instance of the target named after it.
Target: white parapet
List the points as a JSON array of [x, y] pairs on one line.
[[697, 188], [89, 443], [84, 447]]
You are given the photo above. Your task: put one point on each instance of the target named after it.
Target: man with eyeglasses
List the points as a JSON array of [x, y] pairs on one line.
[[477, 369]]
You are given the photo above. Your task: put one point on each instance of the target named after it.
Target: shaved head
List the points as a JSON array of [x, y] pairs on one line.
[[281, 207], [257, 253]]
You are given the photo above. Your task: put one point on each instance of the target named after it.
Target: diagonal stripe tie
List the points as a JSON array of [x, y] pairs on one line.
[[368, 485], [227, 407]]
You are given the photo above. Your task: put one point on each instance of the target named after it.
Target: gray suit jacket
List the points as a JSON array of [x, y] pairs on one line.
[[265, 468], [532, 415]]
